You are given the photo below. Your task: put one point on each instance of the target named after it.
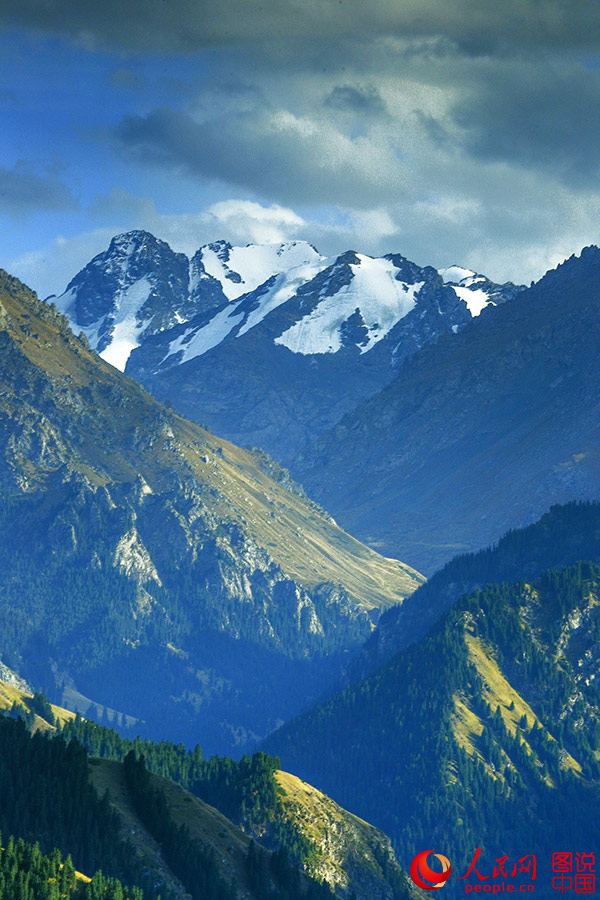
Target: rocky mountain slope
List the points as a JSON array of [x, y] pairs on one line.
[[477, 434], [152, 567], [267, 344], [350, 855]]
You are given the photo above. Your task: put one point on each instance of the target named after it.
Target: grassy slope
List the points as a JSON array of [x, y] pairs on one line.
[[10, 694], [130, 434], [205, 823], [344, 842], [497, 692]]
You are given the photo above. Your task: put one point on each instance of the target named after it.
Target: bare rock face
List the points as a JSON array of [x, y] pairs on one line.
[[10, 677]]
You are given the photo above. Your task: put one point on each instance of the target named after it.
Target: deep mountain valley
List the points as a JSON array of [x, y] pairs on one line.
[[167, 583]]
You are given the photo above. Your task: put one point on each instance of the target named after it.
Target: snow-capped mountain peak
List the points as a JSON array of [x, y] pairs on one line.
[[240, 270], [456, 274], [345, 301], [300, 301], [266, 343], [477, 291], [139, 287], [135, 288], [374, 298]]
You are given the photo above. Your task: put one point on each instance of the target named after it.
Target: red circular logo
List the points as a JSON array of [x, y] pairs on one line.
[[424, 876]]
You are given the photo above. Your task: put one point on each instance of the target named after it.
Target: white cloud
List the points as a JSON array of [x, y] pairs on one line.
[[461, 132], [285, 156], [248, 222], [493, 235], [49, 269]]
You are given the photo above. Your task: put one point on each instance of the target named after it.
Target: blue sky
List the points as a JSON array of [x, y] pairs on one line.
[[463, 132]]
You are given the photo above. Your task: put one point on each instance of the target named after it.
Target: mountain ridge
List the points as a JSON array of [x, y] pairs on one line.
[[483, 734], [477, 434], [563, 535], [351, 856], [273, 355], [181, 541]]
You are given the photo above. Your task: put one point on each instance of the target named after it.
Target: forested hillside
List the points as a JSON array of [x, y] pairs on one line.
[[28, 874], [485, 733], [562, 536], [46, 798], [272, 806], [179, 843]]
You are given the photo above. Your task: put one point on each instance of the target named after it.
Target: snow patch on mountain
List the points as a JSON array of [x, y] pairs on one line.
[[455, 274], [476, 300], [196, 342], [127, 326], [283, 290], [64, 303], [374, 292], [242, 269], [123, 326], [475, 290]]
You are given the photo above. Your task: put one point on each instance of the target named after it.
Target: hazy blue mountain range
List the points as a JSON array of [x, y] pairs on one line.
[[481, 432]]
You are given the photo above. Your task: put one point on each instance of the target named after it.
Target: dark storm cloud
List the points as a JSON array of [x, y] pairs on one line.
[[361, 100], [544, 117], [276, 154], [451, 131], [156, 25], [24, 192]]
